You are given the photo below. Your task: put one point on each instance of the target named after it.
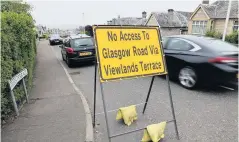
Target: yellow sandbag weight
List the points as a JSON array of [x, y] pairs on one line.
[[154, 132], [128, 114]]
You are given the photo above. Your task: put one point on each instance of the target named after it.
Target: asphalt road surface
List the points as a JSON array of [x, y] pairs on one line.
[[205, 115]]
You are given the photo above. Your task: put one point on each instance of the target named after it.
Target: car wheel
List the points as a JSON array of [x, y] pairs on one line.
[[68, 62], [51, 43], [188, 78]]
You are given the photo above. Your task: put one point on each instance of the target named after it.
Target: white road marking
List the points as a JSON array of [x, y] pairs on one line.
[[227, 88], [89, 127]]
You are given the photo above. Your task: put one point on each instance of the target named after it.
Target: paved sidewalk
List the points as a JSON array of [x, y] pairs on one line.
[[55, 112]]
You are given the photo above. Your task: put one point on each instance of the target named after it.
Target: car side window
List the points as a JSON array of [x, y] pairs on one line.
[[178, 44], [67, 43], [164, 40]]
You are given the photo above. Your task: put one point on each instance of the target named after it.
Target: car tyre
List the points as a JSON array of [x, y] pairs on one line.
[[68, 62], [62, 57], [188, 78]]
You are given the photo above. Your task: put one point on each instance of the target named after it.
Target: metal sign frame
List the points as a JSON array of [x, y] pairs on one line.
[[13, 82], [147, 98]]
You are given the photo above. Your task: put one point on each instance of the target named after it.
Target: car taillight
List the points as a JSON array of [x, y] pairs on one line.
[[70, 50], [222, 60]]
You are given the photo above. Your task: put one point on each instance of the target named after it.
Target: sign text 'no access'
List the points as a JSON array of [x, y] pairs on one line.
[[126, 52]]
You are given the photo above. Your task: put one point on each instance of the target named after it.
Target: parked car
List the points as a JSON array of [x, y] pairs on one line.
[[82, 35], [78, 49], [55, 39], [194, 60]]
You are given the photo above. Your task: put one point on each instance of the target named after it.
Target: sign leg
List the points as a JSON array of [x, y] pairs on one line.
[[25, 89], [14, 102], [172, 107], [105, 111], [150, 88], [94, 95]]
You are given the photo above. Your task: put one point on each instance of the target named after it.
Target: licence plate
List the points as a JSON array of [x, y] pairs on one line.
[[237, 75], [85, 53]]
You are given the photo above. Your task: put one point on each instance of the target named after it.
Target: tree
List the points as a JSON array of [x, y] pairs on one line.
[[15, 6], [89, 30]]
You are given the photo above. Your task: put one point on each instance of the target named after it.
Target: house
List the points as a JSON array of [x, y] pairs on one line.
[[171, 22], [129, 20], [212, 17], [41, 30]]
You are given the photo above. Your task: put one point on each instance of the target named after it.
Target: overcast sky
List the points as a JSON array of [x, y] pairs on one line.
[[69, 14]]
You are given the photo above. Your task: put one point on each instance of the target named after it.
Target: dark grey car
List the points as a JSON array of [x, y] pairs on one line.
[[193, 60], [78, 49], [55, 39]]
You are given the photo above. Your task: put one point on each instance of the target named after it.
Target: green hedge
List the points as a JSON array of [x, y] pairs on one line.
[[17, 6], [214, 34], [18, 51], [46, 36], [232, 38]]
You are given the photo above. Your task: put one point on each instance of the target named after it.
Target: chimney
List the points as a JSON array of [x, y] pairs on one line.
[[144, 14], [170, 10], [206, 2]]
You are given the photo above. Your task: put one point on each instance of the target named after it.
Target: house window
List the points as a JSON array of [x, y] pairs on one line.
[[199, 27], [235, 26], [211, 28]]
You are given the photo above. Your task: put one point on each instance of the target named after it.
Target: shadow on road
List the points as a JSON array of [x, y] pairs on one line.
[[218, 89], [209, 88], [82, 65]]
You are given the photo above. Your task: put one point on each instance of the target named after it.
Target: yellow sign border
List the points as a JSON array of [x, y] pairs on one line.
[[95, 27]]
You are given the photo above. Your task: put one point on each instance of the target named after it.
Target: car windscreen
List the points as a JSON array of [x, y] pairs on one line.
[[82, 42], [221, 46]]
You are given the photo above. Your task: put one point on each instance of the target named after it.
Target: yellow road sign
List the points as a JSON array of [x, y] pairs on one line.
[[128, 51]]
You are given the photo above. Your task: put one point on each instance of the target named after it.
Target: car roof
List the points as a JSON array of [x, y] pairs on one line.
[[55, 35], [195, 38], [207, 43], [79, 36], [192, 37], [198, 39], [82, 34]]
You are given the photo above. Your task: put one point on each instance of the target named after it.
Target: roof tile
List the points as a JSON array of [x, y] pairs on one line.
[[219, 8], [129, 21], [172, 19]]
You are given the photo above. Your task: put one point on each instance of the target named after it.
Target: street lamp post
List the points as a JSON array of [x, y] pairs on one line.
[[227, 18], [83, 22]]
